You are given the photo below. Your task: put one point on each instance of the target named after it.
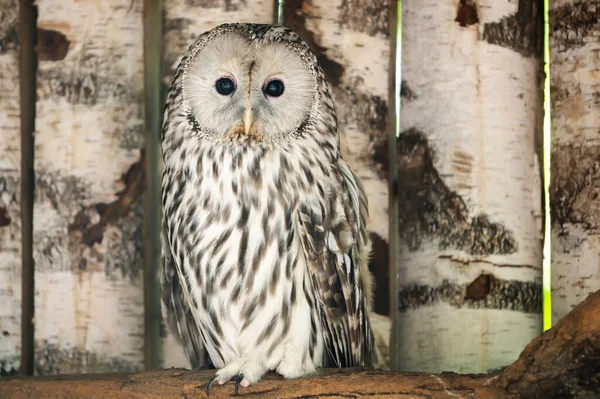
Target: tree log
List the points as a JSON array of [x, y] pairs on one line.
[[564, 362]]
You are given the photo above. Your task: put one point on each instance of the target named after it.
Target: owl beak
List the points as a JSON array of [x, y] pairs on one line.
[[248, 120]]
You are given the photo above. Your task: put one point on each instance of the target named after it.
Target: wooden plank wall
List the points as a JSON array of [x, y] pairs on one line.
[[88, 211], [10, 176], [88, 220]]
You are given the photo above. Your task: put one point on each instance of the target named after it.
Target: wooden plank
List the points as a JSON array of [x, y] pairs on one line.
[[184, 21], [10, 177], [352, 41], [469, 184], [88, 224], [575, 111]]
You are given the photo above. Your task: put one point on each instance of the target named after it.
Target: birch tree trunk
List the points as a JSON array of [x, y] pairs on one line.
[[89, 179], [575, 205], [469, 184], [10, 172], [352, 44], [184, 21]]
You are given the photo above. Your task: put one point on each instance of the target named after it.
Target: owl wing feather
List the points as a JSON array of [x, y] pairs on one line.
[[176, 311], [334, 246]]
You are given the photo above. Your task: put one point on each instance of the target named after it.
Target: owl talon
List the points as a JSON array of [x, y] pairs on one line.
[[238, 381], [210, 382]]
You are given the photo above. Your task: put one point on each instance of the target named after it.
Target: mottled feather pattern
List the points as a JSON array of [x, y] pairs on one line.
[[264, 236], [178, 315]]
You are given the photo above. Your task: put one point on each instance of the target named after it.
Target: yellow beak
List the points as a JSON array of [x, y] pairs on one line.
[[248, 120]]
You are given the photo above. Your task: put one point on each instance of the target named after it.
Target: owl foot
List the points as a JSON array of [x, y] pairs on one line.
[[210, 382], [238, 380], [246, 374]]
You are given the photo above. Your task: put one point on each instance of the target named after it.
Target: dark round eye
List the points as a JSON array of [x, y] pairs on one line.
[[274, 88], [225, 86]]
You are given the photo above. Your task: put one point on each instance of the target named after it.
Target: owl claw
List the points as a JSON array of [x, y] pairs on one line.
[[238, 381], [210, 382]]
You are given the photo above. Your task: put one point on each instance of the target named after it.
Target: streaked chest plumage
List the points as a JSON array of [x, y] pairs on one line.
[[235, 209]]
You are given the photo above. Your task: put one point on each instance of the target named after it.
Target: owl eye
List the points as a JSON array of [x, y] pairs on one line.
[[225, 86], [274, 88]]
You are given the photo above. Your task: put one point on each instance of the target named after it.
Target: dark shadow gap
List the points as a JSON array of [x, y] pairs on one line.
[[153, 38], [395, 78], [27, 86]]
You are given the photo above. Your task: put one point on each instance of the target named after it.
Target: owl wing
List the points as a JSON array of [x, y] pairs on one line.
[[176, 311], [334, 244]]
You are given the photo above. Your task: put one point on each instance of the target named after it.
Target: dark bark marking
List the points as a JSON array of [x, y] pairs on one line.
[[7, 366], [522, 32], [60, 190], [134, 180], [203, 3], [368, 111], [9, 41], [406, 92], [51, 45], [371, 17], [430, 209], [294, 17], [573, 23], [574, 197], [51, 359], [9, 21], [480, 287], [177, 25], [379, 266], [466, 14], [91, 82], [231, 6], [523, 296], [4, 218]]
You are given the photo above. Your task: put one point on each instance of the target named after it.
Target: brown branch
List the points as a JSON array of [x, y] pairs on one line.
[[562, 363], [331, 383]]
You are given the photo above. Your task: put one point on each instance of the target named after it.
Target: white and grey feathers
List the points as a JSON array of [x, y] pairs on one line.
[[264, 224]]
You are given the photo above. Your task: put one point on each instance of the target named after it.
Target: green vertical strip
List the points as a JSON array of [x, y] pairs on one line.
[[398, 69], [395, 80], [278, 14], [547, 150], [27, 88], [153, 37]]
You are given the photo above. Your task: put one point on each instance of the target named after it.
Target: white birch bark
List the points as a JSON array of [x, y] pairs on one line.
[[469, 184], [575, 204], [184, 21], [10, 172], [88, 211]]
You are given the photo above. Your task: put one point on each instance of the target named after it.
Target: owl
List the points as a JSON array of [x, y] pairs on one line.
[[264, 235]]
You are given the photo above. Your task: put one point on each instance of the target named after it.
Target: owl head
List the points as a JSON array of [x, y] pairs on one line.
[[249, 83]]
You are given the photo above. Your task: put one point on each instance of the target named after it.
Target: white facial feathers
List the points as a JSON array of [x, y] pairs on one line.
[[250, 65]]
